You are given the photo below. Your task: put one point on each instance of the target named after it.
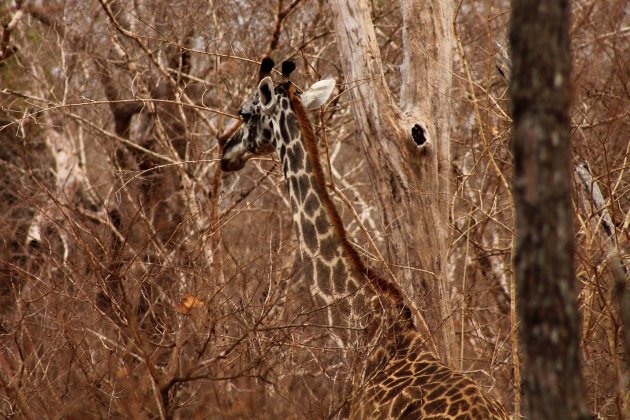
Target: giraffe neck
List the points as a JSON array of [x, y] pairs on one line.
[[318, 225], [331, 266]]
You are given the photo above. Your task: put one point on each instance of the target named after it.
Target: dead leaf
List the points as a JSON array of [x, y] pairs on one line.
[[122, 373], [189, 303]]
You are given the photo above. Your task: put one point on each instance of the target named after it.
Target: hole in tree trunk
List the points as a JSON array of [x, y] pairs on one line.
[[417, 133]]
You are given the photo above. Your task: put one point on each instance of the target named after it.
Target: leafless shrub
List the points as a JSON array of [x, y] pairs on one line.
[[136, 280]]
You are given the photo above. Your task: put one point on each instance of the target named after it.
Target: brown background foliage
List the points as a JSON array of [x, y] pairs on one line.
[[138, 280]]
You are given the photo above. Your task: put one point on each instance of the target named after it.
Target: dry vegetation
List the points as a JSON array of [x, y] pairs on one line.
[[137, 280]]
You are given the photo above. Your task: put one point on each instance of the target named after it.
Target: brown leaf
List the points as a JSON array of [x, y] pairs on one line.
[[189, 303]]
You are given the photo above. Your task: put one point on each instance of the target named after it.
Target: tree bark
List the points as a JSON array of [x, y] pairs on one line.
[[406, 147], [544, 259]]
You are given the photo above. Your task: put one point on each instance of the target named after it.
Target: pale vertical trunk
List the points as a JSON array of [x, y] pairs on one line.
[[407, 147], [69, 180]]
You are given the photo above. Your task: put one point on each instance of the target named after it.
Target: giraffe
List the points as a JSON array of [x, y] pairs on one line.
[[395, 373]]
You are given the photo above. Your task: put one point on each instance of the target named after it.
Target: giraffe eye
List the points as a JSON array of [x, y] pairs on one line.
[[246, 115]]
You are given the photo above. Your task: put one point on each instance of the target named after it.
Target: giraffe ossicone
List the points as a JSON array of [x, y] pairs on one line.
[[396, 375]]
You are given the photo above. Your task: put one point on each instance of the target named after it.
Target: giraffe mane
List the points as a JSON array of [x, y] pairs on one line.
[[380, 284]]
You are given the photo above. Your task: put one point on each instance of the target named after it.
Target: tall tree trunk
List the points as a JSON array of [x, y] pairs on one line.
[[407, 147], [547, 307]]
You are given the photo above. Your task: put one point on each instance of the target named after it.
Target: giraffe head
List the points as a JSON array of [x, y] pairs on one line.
[[264, 115]]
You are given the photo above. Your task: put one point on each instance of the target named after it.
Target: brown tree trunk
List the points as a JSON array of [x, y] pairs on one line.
[[406, 147], [547, 307]]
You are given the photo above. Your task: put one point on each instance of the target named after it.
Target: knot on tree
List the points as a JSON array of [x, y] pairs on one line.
[[34, 244], [420, 137]]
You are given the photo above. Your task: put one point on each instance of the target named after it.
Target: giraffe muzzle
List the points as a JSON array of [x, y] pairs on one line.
[[235, 154], [228, 165]]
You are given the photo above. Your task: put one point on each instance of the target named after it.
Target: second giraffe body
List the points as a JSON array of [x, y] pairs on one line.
[[399, 378]]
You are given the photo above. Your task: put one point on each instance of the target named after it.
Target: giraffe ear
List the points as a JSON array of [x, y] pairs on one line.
[[266, 95], [318, 94]]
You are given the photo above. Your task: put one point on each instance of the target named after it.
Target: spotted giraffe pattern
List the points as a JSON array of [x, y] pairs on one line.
[[396, 376], [407, 382]]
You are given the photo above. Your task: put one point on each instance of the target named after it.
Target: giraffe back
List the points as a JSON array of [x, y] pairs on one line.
[[404, 381]]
